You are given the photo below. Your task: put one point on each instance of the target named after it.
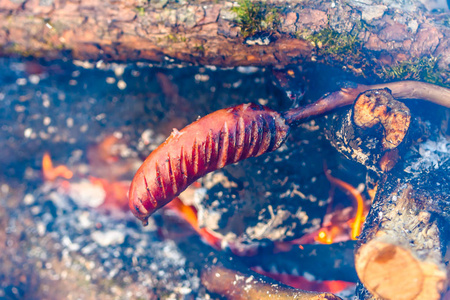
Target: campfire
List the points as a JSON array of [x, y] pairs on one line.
[[351, 193]]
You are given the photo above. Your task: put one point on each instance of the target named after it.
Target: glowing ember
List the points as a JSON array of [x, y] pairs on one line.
[[116, 192], [302, 282], [322, 234], [111, 193], [51, 173], [326, 235], [106, 151], [332, 234]]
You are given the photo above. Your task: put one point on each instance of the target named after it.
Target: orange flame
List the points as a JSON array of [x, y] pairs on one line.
[[50, 173], [189, 214], [359, 201]]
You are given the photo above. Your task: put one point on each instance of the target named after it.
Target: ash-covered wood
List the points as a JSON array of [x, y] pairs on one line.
[[402, 248], [372, 131]]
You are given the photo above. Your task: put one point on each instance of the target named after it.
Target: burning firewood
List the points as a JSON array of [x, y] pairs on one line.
[[402, 248], [209, 144], [373, 132]]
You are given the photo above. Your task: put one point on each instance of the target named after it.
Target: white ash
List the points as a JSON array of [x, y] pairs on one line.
[[86, 194], [28, 199], [435, 4], [429, 155], [248, 70], [104, 247], [107, 238], [85, 220], [149, 140]]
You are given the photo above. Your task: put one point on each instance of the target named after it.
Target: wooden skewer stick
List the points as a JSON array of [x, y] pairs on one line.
[[229, 135], [407, 89]]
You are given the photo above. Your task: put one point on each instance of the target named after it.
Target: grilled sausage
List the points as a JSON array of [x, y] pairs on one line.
[[212, 142]]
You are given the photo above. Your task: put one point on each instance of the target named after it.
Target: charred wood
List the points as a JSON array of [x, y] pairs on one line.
[[226, 275], [402, 249], [372, 131], [405, 237], [322, 261]]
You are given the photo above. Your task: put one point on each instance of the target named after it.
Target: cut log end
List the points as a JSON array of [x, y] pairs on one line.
[[401, 253], [392, 272]]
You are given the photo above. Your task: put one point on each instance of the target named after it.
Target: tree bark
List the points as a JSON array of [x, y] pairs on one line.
[[207, 32], [402, 249], [403, 245]]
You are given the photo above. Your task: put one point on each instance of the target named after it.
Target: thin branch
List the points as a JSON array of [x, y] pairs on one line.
[[400, 90]]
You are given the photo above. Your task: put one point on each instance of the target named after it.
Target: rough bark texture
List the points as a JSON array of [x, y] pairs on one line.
[[373, 131], [402, 249], [198, 32], [206, 32]]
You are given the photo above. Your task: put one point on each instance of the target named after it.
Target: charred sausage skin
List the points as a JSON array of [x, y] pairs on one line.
[[212, 142]]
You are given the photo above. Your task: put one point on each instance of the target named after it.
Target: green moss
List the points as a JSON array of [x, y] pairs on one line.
[[199, 48], [176, 38], [329, 41], [172, 38], [255, 17], [423, 68], [337, 48], [346, 50], [140, 10]]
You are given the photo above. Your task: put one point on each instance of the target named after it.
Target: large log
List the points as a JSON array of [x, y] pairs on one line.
[[403, 245], [211, 33]]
